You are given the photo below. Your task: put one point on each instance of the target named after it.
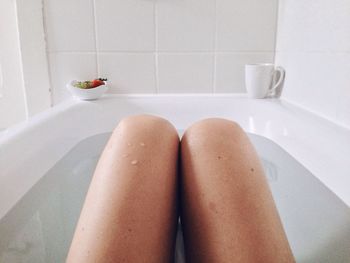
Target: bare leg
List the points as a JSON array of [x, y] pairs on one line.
[[228, 212], [130, 212]]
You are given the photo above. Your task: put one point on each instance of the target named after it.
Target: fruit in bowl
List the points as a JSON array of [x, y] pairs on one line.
[[90, 84], [88, 89]]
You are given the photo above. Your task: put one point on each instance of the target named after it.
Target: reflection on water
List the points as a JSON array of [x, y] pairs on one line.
[[40, 227], [270, 169], [27, 244]]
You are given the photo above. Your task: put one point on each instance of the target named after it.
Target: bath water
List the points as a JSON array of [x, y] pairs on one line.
[[40, 226]]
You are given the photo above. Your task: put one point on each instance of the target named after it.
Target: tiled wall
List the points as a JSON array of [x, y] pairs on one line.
[[313, 44], [158, 46]]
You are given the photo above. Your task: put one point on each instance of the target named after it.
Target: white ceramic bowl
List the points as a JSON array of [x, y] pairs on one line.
[[87, 94]]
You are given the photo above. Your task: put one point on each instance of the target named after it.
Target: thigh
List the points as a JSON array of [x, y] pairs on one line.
[[228, 211], [130, 212]]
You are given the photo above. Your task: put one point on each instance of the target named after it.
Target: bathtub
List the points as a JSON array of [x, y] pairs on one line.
[[47, 162]]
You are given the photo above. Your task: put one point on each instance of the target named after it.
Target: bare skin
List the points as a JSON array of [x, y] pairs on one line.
[[130, 212], [228, 212]]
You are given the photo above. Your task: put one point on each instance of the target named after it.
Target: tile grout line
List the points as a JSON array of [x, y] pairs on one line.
[[175, 52], [96, 42], [276, 31], [49, 70], [156, 64]]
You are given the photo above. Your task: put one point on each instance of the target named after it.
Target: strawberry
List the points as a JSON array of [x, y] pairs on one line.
[[97, 82], [90, 84]]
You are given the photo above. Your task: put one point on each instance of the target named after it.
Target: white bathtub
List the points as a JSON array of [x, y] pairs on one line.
[[46, 164]]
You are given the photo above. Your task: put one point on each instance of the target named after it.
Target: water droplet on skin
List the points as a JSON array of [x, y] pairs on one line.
[[142, 144], [134, 162], [129, 144]]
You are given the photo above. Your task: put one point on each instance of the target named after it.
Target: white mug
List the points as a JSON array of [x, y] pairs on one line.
[[259, 79]]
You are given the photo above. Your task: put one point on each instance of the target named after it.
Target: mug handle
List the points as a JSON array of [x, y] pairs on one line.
[[282, 73]]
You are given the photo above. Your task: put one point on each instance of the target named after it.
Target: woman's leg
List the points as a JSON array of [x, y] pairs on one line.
[[130, 212], [228, 212]]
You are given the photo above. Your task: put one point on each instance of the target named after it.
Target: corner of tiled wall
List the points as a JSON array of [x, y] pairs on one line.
[[167, 46], [313, 44]]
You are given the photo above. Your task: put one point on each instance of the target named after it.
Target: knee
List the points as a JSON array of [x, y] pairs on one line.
[[214, 125], [211, 132], [146, 125]]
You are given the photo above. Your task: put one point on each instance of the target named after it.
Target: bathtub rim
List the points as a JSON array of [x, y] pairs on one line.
[[300, 146]]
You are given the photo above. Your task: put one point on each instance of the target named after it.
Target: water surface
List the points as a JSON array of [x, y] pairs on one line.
[[40, 227]]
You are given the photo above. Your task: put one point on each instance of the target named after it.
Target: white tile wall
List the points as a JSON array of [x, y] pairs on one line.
[[33, 54], [314, 25], [151, 46], [185, 73], [69, 66], [129, 72], [313, 44], [12, 96], [125, 25], [314, 79], [186, 25], [248, 25], [230, 69], [69, 25]]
